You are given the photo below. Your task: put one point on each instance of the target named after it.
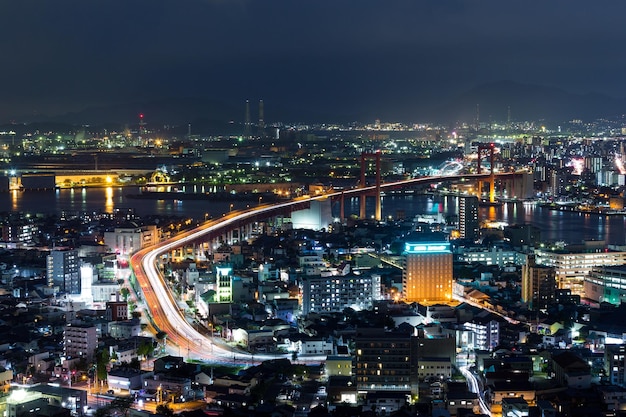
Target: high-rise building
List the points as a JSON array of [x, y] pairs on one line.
[[385, 361], [468, 218], [538, 284], [63, 270], [427, 272]]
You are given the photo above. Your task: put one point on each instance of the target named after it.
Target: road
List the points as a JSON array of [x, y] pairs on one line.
[[474, 386], [169, 318], [164, 310]]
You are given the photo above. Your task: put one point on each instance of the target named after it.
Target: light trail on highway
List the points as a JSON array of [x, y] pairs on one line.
[[163, 308], [474, 386]]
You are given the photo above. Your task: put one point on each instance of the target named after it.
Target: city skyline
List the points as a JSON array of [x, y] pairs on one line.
[[317, 58]]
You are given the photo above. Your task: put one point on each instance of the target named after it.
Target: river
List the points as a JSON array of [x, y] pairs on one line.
[[554, 225]]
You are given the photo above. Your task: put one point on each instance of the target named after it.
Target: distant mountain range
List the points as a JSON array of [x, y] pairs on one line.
[[528, 102], [493, 100]]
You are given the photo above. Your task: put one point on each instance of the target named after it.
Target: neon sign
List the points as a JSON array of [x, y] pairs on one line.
[[426, 247]]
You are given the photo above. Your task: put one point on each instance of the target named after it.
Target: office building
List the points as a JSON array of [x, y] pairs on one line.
[[538, 284], [490, 256], [468, 218], [573, 264], [606, 284], [63, 270], [427, 272]]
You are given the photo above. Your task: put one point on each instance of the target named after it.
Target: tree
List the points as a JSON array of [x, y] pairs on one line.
[[122, 404], [145, 349], [134, 363], [161, 337], [125, 293], [164, 410], [102, 360]]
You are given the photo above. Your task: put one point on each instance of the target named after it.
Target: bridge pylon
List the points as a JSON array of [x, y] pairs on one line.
[[378, 210], [492, 178]]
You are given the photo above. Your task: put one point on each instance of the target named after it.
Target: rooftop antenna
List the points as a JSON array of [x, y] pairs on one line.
[[261, 115], [246, 125], [142, 125], [477, 116]]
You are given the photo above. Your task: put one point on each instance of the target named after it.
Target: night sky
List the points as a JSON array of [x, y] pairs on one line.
[[308, 56]]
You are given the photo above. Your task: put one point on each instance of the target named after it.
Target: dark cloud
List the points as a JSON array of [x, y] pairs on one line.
[[366, 56]]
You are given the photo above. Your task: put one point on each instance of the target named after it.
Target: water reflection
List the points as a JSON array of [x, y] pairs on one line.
[[554, 225], [14, 200], [108, 202]]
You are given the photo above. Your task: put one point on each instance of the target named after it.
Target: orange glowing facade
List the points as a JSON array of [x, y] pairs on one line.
[[427, 274]]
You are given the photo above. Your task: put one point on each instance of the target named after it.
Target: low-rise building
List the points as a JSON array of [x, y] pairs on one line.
[[338, 365], [126, 379], [571, 371]]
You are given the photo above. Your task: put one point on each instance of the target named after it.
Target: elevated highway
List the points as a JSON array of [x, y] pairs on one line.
[[163, 308]]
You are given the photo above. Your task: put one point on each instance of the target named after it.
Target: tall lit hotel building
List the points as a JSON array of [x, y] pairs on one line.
[[468, 218], [573, 266], [427, 272]]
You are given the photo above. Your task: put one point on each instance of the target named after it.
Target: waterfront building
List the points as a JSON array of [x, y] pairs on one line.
[[538, 284], [427, 273], [468, 218], [573, 265], [606, 284], [338, 292], [522, 235], [63, 270]]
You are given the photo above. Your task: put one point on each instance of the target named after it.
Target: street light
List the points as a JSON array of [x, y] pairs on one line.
[[230, 208], [260, 198]]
